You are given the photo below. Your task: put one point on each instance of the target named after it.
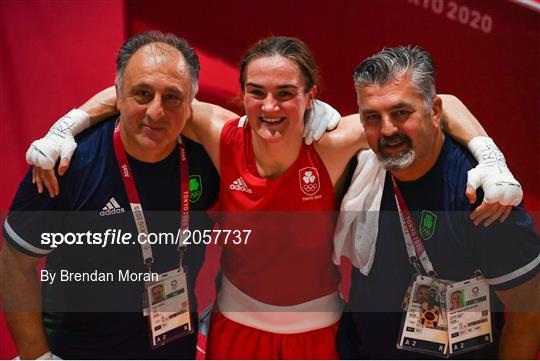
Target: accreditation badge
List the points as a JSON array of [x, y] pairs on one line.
[[469, 315], [424, 325], [168, 302]]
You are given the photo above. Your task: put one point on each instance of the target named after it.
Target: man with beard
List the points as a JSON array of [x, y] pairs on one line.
[[427, 175]]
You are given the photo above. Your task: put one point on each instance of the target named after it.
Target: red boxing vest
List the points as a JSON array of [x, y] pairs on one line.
[[288, 257]]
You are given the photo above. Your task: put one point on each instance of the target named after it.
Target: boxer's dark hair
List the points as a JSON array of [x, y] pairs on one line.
[[290, 48], [392, 63], [133, 44]]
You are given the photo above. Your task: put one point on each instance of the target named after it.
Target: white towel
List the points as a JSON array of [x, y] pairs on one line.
[[358, 223]]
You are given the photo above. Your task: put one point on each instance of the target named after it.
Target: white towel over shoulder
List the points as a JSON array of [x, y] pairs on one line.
[[358, 223]]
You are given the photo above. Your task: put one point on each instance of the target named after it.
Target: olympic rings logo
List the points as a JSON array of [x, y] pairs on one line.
[[311, 187]]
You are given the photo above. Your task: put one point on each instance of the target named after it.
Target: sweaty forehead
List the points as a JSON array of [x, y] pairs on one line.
[[157, 60], [273, 71], [396, 91]]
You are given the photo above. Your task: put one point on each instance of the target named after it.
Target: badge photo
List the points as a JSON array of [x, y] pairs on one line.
[[424, 326], [168, 300]]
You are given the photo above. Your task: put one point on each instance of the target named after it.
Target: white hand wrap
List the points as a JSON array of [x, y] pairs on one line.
[[46, 356], [492, 174], [59, 141], [321, 118]]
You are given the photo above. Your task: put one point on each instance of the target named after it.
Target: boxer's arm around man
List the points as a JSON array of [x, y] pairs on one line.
[[458, 121], [20, 290], [502, 190], [101, 106], [59, 142], [205, 125]]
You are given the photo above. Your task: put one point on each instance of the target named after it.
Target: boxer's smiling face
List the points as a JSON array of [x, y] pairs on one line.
[[275, 98]]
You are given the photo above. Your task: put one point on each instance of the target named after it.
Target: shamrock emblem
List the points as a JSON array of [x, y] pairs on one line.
[[309, 177], [193, 184]]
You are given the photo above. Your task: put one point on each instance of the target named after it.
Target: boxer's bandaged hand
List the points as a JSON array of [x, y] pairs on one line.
[[46, 356], [321, 118], [492, 174], [59, 141]]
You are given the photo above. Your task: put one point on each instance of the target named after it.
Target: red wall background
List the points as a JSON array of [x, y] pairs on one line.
[[56, 54]]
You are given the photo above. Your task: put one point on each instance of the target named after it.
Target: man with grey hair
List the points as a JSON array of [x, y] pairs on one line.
[[424, 225], [122, 167], [381, 69]]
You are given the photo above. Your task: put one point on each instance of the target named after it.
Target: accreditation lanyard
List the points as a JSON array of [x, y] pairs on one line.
[[135, 203], [413, 242]]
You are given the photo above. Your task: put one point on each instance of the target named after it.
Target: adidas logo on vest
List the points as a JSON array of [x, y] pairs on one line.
[[240, 185], [112, 207]]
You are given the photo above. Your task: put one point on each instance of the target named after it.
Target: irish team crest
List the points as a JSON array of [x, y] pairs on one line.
[[309, 180], [427, 224], [195, 187]]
